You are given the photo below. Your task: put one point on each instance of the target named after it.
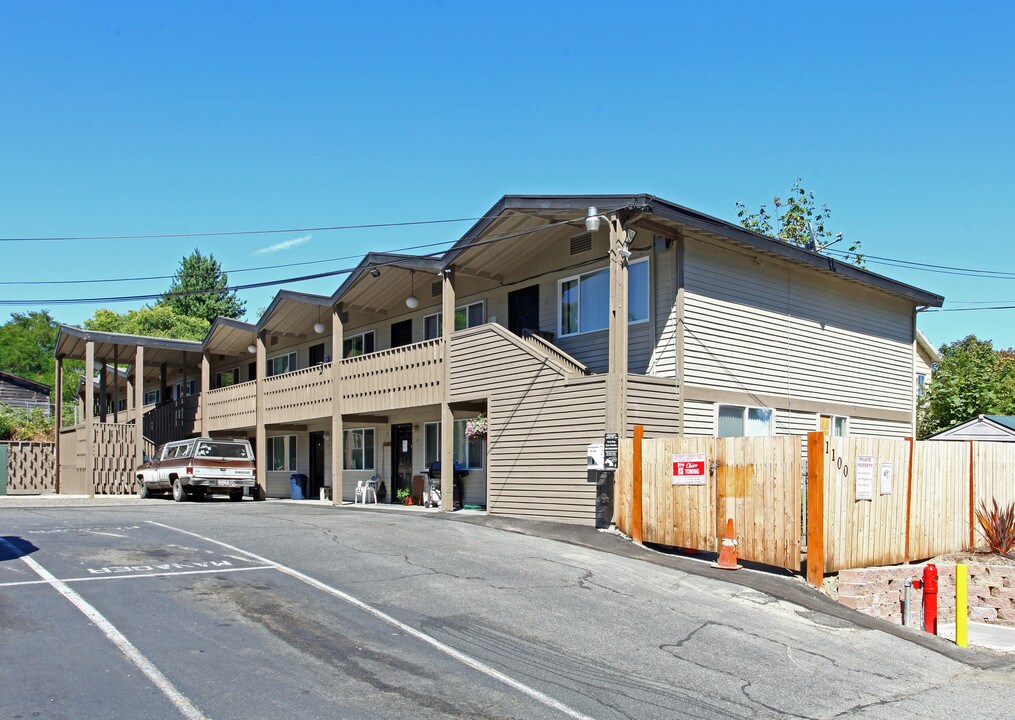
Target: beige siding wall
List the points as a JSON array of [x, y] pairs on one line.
[[541, 422], [652, 403], [766, 327]]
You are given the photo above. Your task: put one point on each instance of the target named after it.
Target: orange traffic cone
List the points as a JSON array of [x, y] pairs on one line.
[[728, 553]]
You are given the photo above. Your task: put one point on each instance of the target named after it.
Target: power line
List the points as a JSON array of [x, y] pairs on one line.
[[226, 233], [267, 283], [929, 267]]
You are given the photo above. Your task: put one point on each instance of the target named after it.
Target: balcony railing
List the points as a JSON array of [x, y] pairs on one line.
[[407, 376], [298, 395], [232, 407]]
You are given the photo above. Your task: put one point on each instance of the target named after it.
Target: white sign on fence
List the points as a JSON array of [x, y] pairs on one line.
[[689, 469], [886, 478], [865, 477]]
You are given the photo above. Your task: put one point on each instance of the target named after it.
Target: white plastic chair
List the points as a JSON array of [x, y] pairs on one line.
[[365, 489]]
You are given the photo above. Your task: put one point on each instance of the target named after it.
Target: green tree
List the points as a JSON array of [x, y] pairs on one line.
[[27, 346], [798, 220], [158, 321], [972, 379], [202, 273]]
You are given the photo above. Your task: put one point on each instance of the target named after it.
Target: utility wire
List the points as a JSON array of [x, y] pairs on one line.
[[268, 283]]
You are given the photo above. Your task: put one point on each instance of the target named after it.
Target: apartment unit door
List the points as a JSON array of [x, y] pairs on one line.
[[523, 309], [401, 459], [316, 479]]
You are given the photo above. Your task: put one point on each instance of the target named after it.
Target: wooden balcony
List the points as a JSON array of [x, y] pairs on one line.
[[232, 407], [298, 396], [402, 377]]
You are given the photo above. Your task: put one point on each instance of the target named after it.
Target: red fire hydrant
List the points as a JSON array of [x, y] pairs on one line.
[[929, 586]]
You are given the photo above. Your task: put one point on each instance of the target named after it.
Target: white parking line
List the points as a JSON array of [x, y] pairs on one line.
[[182, 703], [139, 576], [407, 629]]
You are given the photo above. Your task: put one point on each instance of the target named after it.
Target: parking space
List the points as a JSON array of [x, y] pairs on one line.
[[227, 634]]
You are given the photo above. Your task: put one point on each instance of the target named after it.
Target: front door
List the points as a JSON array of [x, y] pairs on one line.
[[523, 309], [316, 355], [401, 459], [401, 333], [316, 481]]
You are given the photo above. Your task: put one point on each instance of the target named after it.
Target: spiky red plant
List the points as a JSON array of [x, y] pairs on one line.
[[997, 525]]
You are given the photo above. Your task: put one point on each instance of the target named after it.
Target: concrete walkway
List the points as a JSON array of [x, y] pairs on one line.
[[991, 637]]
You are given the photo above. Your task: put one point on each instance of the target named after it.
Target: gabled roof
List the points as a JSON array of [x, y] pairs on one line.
[[381, 260], [665, 209], [1007, 420], [70, 342], [1002, 425], [926, 346], [24, 382]]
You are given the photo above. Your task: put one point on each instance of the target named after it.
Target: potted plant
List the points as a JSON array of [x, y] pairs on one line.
[[404, 497], [476, 427]]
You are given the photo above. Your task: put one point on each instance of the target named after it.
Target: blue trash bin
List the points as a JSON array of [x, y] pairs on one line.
[[296, 484]]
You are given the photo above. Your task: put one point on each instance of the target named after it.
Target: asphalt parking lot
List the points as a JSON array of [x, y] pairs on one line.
[[269, 610]]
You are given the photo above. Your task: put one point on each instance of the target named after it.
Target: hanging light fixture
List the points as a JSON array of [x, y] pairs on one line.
[[98, 365], [318, 326], [251, 348], [412, 302]]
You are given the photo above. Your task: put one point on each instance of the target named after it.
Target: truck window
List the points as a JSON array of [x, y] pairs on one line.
[[228, 450]]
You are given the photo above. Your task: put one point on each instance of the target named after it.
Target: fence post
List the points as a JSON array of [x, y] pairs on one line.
[[636, 520], [815, 508], [972, 500], [4, 449], [909, 494]]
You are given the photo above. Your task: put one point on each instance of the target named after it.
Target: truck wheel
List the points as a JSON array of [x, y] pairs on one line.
[[179, 494], [142, 492], [235, 495]]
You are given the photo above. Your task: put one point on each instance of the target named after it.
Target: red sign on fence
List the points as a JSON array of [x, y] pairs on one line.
[[689, 469]]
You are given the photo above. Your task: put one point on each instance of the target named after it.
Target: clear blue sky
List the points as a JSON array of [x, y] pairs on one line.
[[129, 118]]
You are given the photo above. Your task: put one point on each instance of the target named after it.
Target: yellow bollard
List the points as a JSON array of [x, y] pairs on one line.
[[961, 606]]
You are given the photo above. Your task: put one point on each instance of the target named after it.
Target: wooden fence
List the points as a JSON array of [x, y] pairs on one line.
[[30, 467], [755, 481], [869, 500]]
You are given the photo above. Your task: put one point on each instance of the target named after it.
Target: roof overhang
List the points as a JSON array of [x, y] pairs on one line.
[[71, 342]]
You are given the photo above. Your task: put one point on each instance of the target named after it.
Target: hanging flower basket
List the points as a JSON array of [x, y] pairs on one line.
[[476, 427]]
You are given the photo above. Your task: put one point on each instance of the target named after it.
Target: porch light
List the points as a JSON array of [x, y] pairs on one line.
[[97, 365], [318, 326], [375, 273], [412, 302], [251, 348], [592, 220]]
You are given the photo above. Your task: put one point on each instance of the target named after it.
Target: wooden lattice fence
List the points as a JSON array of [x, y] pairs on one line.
[[31, 468]]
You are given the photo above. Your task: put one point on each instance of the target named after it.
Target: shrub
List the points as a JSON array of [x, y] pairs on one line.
[[22, 425], [997, 525]]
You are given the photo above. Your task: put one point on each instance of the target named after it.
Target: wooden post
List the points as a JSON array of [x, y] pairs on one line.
[[447, 417], [815, 508], [205, 389], [909, 495], [89, 416], [972, 499], [163, 383], [616, 380], [337, 430], [103, 392], [679, 335], [260, 431], [139, 405], [58, 416], [636, 519], [116, 384]]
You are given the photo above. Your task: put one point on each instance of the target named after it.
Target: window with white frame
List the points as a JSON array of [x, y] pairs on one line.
[[745, 421], [225, 378], [122, 404], [281, 364], [152, 397], [361, 344], [188, 388], [921, 385], [584, 300], [839, 426], [359, 449], [282, 453], [468, 452], [466, 316]]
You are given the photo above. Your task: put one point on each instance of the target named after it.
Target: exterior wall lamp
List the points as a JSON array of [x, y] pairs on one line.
[[412, 302]]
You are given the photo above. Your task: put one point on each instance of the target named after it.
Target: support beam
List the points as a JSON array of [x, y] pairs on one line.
[[89, 417], [139, 405], [260, 431], [58, 417], [116, 384], [103, 392], [479, 274], [337, 455], [679, 336], [205, 389], [616, 381], [366, 310], [163, 383], [447, 417]]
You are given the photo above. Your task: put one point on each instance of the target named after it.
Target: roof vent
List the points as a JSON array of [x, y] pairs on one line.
[[581, 243], [435, 288]]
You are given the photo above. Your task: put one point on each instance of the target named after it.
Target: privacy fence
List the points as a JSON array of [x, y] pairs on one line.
[[866, 501], [28, 468]]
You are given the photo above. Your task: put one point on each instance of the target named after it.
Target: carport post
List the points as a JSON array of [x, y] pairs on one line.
[[202, 399], [58, 419], [103, 393], [139, 406], [89, 416], [260, 432], [116, 385], [337, 455]]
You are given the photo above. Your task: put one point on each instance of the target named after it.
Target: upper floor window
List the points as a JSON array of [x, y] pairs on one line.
[[227, 378], [745, 421], [921, 385], [152, 397], [281, 364], [585, 299], [360, 344], [466, 316], [188, 388]]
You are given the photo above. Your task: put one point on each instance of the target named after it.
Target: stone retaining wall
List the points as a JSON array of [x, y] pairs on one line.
[[880, 592]]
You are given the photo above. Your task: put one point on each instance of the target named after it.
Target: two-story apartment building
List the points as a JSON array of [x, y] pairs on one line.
[[563, 327]]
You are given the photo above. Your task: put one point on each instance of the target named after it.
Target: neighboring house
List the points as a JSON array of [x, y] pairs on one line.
[[727, 333], [23, 394], [927, 358], [992, 428]]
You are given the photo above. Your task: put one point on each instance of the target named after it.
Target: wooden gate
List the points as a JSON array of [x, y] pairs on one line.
[[754, 481]]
